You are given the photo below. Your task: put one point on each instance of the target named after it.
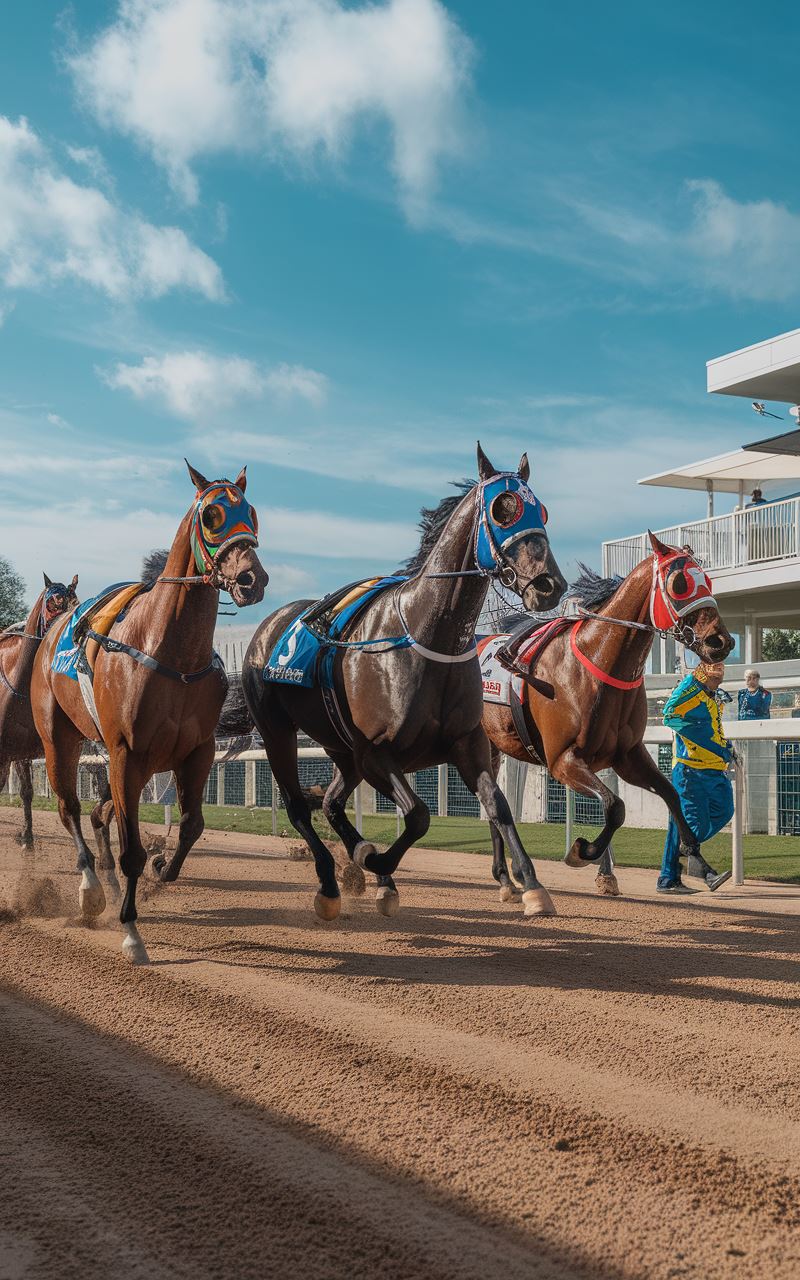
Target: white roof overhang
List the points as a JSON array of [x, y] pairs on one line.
[[726, 472], [768, 370]]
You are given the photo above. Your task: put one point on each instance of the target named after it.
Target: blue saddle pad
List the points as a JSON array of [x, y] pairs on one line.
[[305, 657], [67, 650]]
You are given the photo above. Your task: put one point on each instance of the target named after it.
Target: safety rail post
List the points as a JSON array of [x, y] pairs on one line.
[[249, 784], [569, 818], [737, 848], [442, 779]]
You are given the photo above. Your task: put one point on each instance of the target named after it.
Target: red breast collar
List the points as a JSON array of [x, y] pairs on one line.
[[602, 676]]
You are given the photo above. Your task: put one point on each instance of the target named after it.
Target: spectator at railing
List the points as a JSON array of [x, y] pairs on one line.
[[754, 700], [757, 499]]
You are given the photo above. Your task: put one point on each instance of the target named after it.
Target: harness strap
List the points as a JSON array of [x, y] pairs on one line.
[[4, 678], [521, 729], [153, 664], [596, 671]]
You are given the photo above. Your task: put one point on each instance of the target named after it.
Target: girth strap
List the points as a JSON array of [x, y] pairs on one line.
[[596, 671], [521, 729], [153, 664]]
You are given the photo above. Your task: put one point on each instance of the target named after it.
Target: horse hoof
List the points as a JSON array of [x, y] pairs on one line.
[[133, 948], [573, 858], [538, 902], [25, 843], [387, 901], [607, 885], [362, 851], [327, 908], [509, 893], [353, 880], [90, 896]]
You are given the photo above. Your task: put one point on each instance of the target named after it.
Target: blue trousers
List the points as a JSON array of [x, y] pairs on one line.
[[706, 797]]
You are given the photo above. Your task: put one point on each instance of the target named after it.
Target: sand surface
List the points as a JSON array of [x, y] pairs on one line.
[[455, 1092]]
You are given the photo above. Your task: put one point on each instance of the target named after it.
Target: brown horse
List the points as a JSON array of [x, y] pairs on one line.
[[597, 714], [406, 681], [19, 741], [158, 689]]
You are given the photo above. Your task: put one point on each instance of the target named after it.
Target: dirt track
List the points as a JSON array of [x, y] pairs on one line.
[[456, 1092]]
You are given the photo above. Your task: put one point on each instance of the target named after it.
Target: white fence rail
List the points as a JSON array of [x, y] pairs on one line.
[[766, 786], [753, 536]]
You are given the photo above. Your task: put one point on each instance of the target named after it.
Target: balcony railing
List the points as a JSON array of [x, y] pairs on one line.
[[757, 535]]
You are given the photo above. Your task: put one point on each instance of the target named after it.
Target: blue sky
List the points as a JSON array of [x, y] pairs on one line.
[[340, 242]]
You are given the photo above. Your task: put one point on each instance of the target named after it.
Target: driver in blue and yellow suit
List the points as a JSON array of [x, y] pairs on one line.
[[700, 761]]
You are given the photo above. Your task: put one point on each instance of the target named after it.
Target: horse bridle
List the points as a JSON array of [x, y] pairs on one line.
[[504, 570], [682, 631]]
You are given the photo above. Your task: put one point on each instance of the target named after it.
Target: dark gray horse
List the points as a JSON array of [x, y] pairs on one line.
[[408, 705]]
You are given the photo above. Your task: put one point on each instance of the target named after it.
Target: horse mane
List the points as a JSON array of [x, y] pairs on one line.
[[432, 522], [153, 564], [590, 590]]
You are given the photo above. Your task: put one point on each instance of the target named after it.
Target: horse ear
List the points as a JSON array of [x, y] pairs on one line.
[[657, 544], [198, 479], [485, 468], [74, 582], [48, 584], [241, 479], [524, 469]]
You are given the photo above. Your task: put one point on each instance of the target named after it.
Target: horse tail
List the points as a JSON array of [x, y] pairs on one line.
[[235, 720]]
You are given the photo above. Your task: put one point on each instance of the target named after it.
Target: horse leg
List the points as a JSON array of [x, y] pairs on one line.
[[280, 740], [382, 772], [25, 775], [101, 817], [508, 890], [472, 757], [345, 778], [62, 754], [190, 782], [575, 772], [127, 781]]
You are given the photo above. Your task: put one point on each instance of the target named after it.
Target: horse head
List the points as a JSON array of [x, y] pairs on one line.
[[682, 601], [223, 531], [511, 541], [55, 600]]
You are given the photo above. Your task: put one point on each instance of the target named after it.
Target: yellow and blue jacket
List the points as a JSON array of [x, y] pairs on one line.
[[694, 716]]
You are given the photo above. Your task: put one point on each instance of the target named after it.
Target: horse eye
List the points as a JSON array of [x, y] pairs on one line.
[[213, 517], [543, 509], [677, 584], [254, 519], [506, 509]]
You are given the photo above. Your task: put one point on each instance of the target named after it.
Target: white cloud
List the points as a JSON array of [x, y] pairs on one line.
[[52, 229], [748, 248], [189, 78], [295, 379], [194, 384], [56, 420], [739, 249], [321, 533]]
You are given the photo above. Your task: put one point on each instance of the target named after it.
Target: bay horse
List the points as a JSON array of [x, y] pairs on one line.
[[407, 684], [594, 714], [158, 689], [19, 741]]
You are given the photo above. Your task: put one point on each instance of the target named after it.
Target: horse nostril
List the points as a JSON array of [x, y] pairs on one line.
[[544, 584], [246, 578]]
